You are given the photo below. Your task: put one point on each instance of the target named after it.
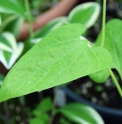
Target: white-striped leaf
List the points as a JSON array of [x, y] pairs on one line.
[[81, 114], [9, 49], [86, 14], [13, 24]]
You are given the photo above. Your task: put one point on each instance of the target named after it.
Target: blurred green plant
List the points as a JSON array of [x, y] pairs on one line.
[[75, 112]]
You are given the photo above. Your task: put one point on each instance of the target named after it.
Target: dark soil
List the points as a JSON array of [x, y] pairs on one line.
[[19, 110], [104, 94]]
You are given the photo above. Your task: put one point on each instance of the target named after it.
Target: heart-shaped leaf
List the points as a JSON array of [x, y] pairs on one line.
[[81, 114], [113, 43], [12, 7], [58, 58], [9, 49], [86, 14]]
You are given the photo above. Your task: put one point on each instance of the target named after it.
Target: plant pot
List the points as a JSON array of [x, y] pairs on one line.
[[110, 115]]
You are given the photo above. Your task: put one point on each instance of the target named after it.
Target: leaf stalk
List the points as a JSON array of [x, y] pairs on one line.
[[103, 23]]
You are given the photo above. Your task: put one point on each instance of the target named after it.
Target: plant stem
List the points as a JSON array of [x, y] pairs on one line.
[[29, 18], [102, 45], [115, 82], [103, 23]]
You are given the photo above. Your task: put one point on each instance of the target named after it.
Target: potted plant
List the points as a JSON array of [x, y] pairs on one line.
[[11, 51], [54, 61]]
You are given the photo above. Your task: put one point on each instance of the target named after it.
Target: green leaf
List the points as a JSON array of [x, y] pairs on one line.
[[42, 110], [113, 43], [60, 57], [53, 24], [41, 114], [3, 16], [86, 14], [100, 76], [4, 44], [12, 7], [81, 114]]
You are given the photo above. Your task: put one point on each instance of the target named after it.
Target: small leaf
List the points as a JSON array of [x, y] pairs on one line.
[[12, 7], [60, 57], [45, 105], [86, 14], [81, 114]]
